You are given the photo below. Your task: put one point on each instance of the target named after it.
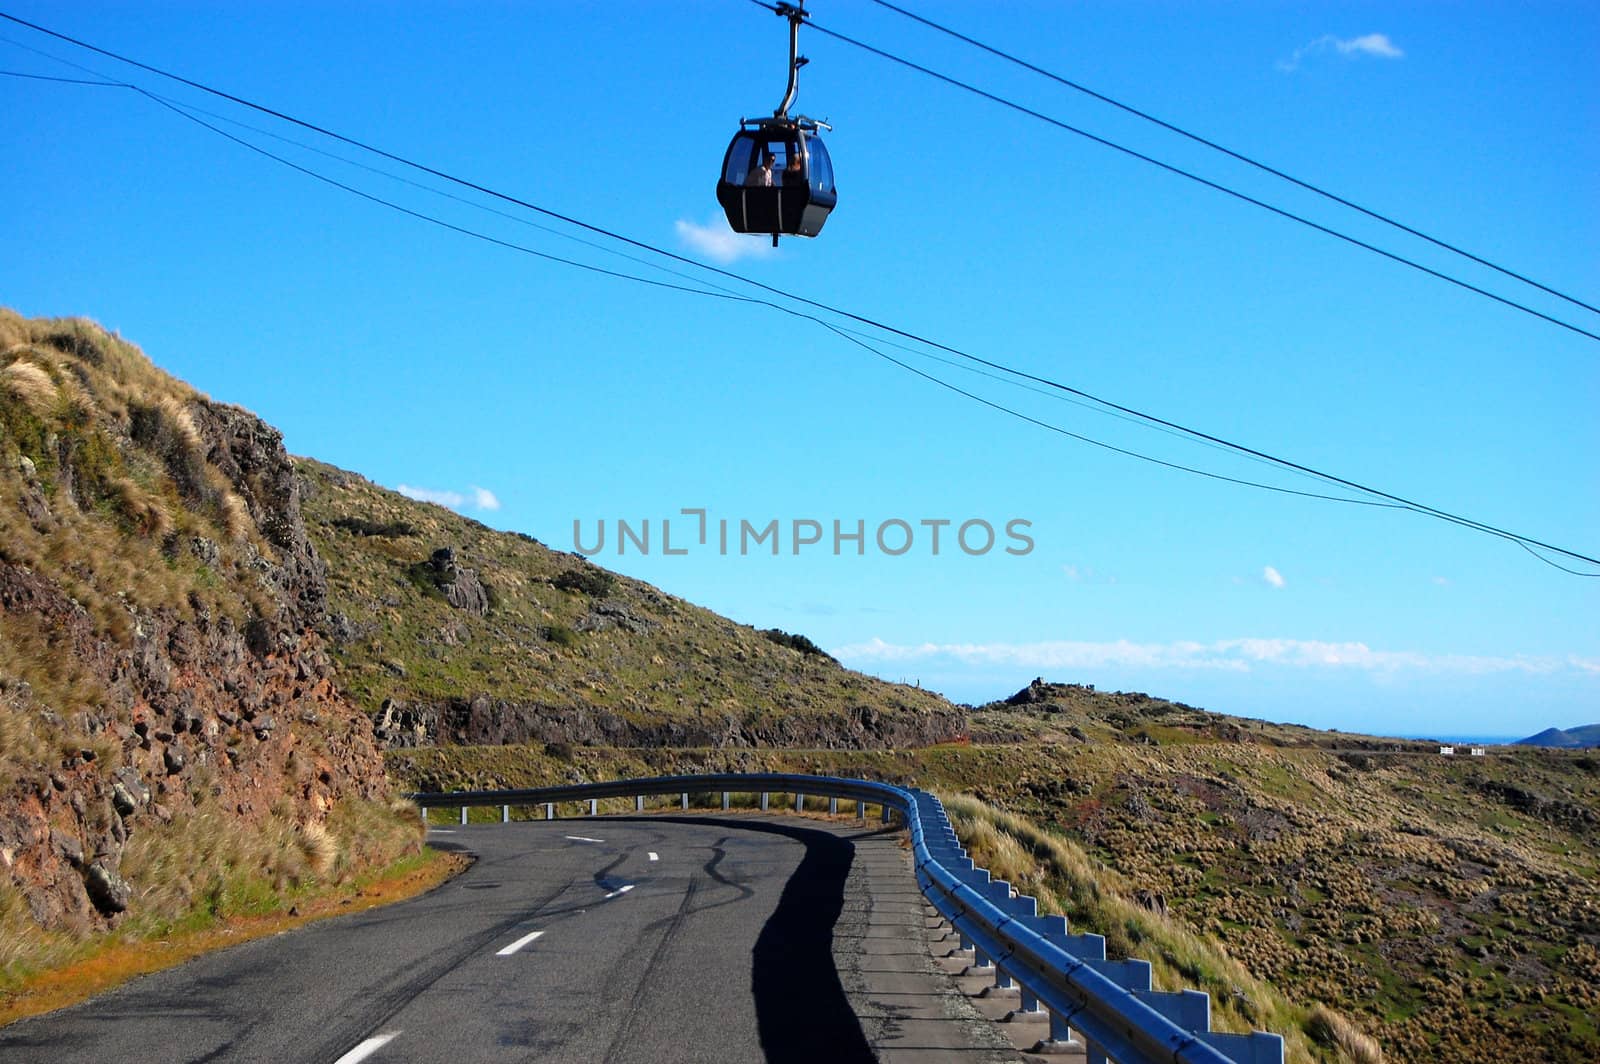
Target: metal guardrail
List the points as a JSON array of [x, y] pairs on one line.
[[1107, 1005]]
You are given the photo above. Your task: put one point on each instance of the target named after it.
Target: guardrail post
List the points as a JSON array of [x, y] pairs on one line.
[[424, 815], [463, 814], [549, 810], [685, 800], [594, 806], [833, 807], [1061, 1034], [799, 802], [888, 814], [505, 814], [638, 803], [724, 801], [763, 801]]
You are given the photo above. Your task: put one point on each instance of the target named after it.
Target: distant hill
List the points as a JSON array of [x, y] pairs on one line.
[[1570, 739]]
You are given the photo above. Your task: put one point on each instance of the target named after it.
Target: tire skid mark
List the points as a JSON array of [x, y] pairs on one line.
[[384, 1002], [674, 926]]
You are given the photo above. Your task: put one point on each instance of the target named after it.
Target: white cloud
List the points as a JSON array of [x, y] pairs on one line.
[[1373, 45], [451, 499], [1272, 576], [1228, 655], [716, 241], [480, 499]]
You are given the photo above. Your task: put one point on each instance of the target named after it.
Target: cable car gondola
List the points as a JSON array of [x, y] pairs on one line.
[[776, 177]]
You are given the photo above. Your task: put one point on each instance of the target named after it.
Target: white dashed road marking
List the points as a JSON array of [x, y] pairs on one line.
[[368, 1047], [583, 838], [620, 890], [653, 857], [518, 944]]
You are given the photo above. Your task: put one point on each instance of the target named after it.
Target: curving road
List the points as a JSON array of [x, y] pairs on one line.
[[612, 939]]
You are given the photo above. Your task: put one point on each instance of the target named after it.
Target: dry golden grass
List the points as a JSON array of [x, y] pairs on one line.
[[319, 848], [180, 422], [1066, 880], [148, 514], [93, 968], [236, 519], [31, 384], [1332, 1029]]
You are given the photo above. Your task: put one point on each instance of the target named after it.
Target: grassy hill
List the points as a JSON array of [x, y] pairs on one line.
[[502, 639]]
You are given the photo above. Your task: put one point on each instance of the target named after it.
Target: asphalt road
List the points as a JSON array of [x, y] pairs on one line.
[[612, 939]]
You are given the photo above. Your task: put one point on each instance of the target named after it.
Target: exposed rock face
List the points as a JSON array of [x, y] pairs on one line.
[[485, 721], [461, 586], [185, 709]]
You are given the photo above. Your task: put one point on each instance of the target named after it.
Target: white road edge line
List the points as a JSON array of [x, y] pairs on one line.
[[620, 890], [518, 944], [441, 831], [368, 1047], [583, 838], [653, 857]]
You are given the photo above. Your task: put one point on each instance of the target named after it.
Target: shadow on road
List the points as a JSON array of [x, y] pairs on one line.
[[802, 1013]]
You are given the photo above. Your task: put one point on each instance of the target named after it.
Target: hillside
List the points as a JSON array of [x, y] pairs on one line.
[[447, 631], [172, 742], [1578, 738]]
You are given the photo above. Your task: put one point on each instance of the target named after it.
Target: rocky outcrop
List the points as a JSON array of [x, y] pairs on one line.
[[483, 720], [459, 585], [178, 708]]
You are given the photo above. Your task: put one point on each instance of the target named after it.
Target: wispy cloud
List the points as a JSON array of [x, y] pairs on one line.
[[716, 241], [1369, 45], [1272, 576], [476, 498], [1229, 655]]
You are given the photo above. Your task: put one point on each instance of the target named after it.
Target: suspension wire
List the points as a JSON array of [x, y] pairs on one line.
[[421, 216], [1192, 176], [1231, 153], [1387, 498]]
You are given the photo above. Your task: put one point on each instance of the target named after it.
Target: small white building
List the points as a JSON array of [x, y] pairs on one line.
[[1477, 751], [1448, 751]]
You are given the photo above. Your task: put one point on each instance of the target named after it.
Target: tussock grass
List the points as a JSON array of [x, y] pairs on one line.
[[31, 384], [82, 968], [117, 483], [25, 947], [1332, 1029], [1066, 880], [211, 865]]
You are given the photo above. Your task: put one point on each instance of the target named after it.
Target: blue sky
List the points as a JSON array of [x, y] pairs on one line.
[[531, 395]]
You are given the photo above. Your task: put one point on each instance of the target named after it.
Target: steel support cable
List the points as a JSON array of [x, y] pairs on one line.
[[1231, 153], [1153, 419], [733, 297], [1508, 536], [1192, 176], [190, 110]]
